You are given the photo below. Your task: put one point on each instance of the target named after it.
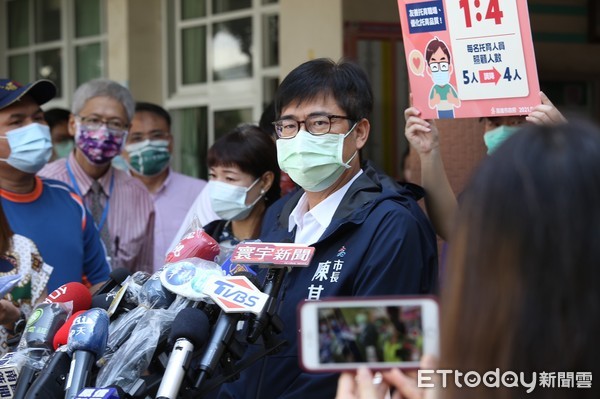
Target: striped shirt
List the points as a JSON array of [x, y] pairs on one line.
[[130, 217]]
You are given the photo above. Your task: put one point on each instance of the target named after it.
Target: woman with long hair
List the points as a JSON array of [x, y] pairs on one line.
[[522, 292]]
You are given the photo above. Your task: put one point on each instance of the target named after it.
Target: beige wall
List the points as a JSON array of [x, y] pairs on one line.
[[145, 50], [135, 47], [118, 45], [309, 29]]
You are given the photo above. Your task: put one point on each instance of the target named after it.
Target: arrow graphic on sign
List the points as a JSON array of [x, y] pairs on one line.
[[489, 76]]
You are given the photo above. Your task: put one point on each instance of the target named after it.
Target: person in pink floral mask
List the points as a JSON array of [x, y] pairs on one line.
[[120, 204]]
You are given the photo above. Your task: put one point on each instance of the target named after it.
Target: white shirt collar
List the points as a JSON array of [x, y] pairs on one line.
[[312, 224]]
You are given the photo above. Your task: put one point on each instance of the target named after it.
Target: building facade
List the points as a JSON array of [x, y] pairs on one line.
[[217, 63]]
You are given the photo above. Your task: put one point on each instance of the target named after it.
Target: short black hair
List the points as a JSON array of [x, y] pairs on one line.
[[154, 109], [250, 149], [345, 81], [54, 116]]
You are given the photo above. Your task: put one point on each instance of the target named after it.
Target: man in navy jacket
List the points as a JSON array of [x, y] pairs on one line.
[[370, 236]]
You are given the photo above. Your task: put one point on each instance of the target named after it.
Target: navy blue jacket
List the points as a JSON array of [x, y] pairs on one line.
[[379, 242]]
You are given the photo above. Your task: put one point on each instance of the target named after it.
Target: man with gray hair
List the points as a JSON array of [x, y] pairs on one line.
[[122, 208]]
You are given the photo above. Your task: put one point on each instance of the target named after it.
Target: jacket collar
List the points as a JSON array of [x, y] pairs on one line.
[[365, 189]]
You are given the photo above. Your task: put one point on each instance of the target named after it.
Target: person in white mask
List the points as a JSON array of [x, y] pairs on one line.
[[243, 181]]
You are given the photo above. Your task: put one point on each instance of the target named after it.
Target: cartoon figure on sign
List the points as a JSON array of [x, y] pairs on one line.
[[443, 96]]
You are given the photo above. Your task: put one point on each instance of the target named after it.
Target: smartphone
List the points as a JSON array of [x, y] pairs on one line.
[[380, 333]]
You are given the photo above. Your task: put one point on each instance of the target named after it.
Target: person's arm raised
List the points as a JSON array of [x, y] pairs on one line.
[[440, 200]]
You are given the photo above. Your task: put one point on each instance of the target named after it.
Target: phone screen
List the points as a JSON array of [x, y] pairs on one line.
[[380, 335], [370, 334]]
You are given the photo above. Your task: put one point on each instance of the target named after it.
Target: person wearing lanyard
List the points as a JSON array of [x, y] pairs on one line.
[[121, 206]]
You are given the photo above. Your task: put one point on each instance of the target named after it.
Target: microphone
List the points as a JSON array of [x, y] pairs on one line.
[[188, 277], [115, 279], [197, 244], [222, 339], [44, 322], [189, 331], [62, 335], [75, 292], [104, 301], [152, 295], [231, 268], [50, 383], [122, 298], [268, 317], [87, 341], [279, 258]]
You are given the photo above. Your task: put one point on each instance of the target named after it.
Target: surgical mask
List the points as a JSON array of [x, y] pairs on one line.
[[313, 162], [149, 157], [64, 148], [101, 145], [228, 201], [30, 147], [441, 78], [495, 137]]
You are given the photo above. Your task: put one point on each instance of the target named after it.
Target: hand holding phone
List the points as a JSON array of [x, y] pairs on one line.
[[379, 333]]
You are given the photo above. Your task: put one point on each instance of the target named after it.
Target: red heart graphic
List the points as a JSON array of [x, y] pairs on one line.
[[416, 62]]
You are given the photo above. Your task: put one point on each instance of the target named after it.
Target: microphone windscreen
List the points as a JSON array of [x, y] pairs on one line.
[[62, 335], [191, 324], [119, 275], [76, 292], [197, 244], [89, 332], [154, 295], [102, 301]]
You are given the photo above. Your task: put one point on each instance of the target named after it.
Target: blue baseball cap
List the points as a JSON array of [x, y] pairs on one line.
[[41, 91]]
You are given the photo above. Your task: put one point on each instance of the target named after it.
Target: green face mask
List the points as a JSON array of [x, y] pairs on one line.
[[495, 137], [313, 162], [149, 157], [63, 148]]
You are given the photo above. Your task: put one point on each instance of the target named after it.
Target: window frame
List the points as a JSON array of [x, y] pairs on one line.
[[67, 45], [224, 95]]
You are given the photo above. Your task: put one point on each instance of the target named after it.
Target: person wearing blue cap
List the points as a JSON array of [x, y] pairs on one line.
[[46, 211]]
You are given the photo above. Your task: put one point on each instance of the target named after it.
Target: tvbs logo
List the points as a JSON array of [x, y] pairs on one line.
[[234, 293]]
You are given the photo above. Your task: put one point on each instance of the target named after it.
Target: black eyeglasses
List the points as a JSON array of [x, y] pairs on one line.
[[315, 124]]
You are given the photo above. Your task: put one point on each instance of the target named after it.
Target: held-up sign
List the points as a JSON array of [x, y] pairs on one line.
[[236, 294], [469, 58], [273, 254]]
